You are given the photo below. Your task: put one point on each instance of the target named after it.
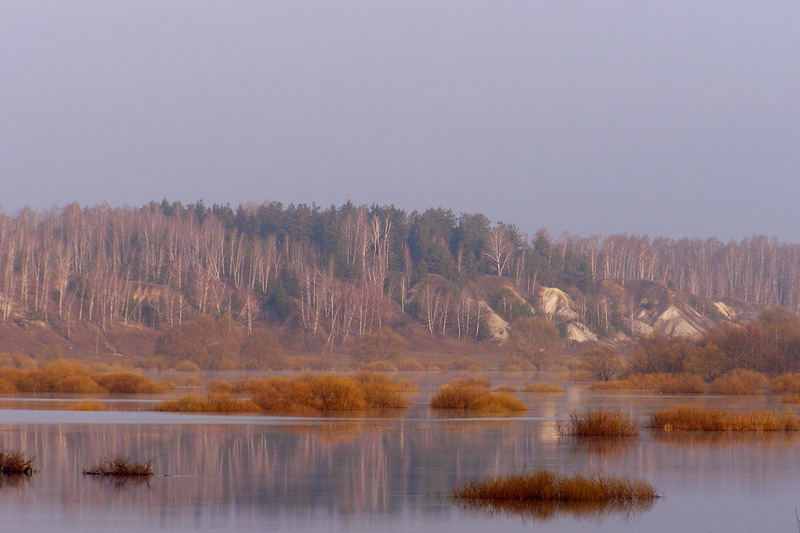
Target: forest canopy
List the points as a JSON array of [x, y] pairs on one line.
[[340, 272]]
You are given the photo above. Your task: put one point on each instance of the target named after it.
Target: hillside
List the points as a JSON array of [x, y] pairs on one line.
[[113, 280]]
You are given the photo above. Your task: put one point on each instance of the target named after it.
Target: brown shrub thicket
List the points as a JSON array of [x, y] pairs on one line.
[[598, 423], [69, 376], [786, 383], [739, 381], [475, 394], [212, 403], [128, 383], [770, 345], [694, 418], [330, 392], [548, 486], [664, 383]]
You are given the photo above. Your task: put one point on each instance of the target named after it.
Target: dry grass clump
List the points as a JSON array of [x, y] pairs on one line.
[[542, 387], [505, 388], [511, 367], [692, 418], [790, 398], [599, 423], [548, 486], [786, 383], [739, 381], [381, 366], [663, 383], [88, 405], [120, 467], [474, 394], [213, 403], [13, 462]]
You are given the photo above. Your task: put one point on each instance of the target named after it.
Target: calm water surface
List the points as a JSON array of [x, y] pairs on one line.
[[387, 472]]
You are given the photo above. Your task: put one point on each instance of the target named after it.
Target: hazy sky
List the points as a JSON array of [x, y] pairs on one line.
[[666, 118]]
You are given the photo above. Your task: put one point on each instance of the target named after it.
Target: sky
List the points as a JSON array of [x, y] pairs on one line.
[[675, 119]]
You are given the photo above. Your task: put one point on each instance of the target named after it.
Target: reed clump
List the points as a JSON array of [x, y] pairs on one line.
[[664, 383], [14, 462], [786, 383], [695, 418], [598, 423], [212, 403], [739, 381], [505, 388], [542, 387], [120, 467], [551, 487], [790, 398], [88, 405]]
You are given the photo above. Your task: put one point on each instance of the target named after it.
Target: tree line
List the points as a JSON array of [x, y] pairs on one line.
[[338, 272]]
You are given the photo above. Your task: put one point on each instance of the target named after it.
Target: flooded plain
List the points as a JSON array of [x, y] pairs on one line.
[[390, 471]]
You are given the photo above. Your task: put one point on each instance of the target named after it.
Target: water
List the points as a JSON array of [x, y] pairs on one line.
[[383, 473]]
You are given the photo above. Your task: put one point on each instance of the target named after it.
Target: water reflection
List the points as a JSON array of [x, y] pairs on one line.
[[118, 482], [726, 439], [600, 446], [548, 511], [14, 480]]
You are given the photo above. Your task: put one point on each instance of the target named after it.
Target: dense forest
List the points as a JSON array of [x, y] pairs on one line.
[[333, 274]]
